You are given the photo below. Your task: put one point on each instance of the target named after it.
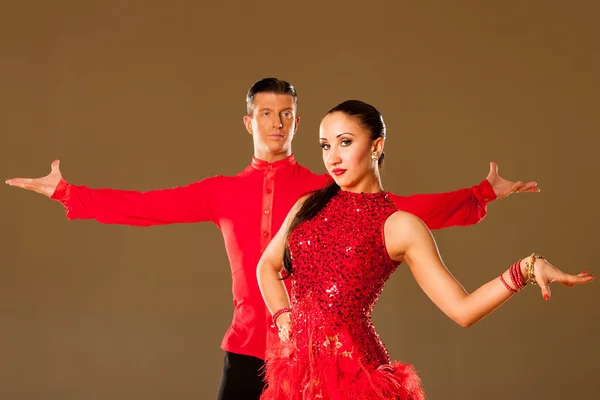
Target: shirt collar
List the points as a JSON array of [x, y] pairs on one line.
[[265, 165]]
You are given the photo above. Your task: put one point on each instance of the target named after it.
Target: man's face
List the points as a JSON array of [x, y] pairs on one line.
[[272, 124]]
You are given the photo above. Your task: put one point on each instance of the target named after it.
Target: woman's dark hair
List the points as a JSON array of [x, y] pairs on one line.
[[371, 119]]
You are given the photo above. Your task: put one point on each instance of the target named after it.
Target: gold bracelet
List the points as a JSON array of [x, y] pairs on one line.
[[529, 267]]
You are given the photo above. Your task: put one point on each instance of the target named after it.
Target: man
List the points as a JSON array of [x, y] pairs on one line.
[[249, 208]]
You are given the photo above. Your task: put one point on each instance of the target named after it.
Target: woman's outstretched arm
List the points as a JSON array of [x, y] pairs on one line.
[[408, 239]]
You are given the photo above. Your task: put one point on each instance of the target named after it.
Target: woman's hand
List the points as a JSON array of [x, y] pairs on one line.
[[284, 326], [546, 273]]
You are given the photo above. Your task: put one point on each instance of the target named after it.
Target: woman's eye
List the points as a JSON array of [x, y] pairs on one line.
[[346, 142], [324, 146]]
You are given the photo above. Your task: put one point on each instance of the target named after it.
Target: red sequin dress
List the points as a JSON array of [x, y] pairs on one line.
[[340, 267]]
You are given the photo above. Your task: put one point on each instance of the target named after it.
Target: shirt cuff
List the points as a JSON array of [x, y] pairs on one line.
[[62, 192], [486, 192]]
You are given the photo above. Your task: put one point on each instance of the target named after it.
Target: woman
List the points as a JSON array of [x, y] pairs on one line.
[[339, 246]]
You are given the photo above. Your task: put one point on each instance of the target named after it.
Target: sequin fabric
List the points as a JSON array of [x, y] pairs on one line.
[[340, 265]]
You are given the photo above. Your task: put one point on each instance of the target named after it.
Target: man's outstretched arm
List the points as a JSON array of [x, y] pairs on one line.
[[191, 203], [464, 206]]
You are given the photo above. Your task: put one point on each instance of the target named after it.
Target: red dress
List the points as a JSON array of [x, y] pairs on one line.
[[340, 267]]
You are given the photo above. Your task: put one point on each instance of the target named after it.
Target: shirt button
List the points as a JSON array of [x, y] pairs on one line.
[[269, 167], [269, 191], [267, 212], [265, 233]]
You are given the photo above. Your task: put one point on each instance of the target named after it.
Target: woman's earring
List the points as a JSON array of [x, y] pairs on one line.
[[374, 156]]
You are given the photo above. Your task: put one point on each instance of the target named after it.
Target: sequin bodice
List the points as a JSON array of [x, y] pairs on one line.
[[340, 266]]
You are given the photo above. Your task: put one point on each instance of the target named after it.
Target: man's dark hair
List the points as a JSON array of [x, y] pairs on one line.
[[269, 85]]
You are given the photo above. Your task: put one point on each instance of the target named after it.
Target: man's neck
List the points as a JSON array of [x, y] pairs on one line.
[[272, 157]]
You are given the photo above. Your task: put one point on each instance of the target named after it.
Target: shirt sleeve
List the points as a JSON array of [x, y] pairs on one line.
[[443, 210], [192, 203]]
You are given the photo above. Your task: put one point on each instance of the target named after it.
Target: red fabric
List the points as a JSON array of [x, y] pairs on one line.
[[249, 208], [336, 377], [340, 266]]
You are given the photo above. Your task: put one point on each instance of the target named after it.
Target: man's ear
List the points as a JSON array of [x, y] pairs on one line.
[[248, 123]]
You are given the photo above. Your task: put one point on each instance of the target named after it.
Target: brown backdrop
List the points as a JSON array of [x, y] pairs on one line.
[[150, 94]]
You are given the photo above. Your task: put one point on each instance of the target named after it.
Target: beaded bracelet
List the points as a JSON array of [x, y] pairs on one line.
[[507, 285], [513, 278], [529, 267], [278, 313], [515, 275]]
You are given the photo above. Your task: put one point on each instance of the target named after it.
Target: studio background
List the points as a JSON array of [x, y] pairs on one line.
[[151, 94]]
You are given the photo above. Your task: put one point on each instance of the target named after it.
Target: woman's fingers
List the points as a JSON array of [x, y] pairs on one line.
[[567, 280]]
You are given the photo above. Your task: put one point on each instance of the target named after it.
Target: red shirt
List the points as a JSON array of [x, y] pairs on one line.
[[249, 208]]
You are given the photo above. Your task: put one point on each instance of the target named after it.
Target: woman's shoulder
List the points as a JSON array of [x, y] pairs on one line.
[[405, 226], [400, 217]]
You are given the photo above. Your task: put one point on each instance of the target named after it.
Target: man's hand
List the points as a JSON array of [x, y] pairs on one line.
[[45, 185], [503, 187]]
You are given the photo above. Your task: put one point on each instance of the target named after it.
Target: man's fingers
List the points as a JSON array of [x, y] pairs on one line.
[[515, 187], [529, 187], [492, 176], [19, 182], [24, 183], [55, 166]]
